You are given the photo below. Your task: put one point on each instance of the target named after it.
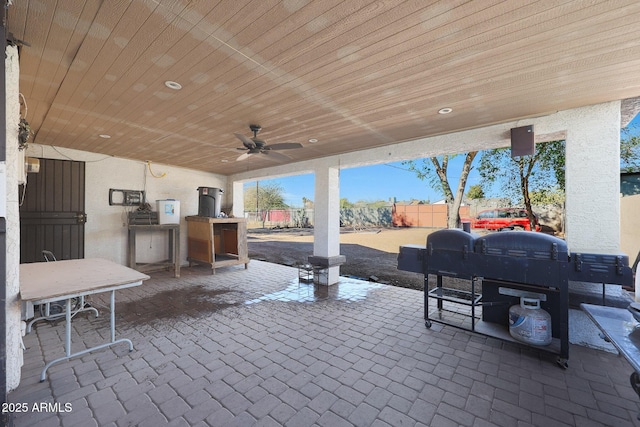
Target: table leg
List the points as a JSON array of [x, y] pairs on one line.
[[132, 248], [113, 325], [176, 251], [69, 355], [67, 343], [113, 317]]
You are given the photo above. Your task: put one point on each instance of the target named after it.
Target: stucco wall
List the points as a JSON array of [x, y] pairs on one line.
[[106, 227], [13, 341], [593, 179]]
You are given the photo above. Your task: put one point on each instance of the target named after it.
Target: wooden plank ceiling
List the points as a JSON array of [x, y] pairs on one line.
[[350, 74]]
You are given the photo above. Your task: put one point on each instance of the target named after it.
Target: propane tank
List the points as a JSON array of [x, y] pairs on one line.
[[529, 323]]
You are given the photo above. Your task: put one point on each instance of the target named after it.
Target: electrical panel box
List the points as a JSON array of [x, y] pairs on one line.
[[126, 197]]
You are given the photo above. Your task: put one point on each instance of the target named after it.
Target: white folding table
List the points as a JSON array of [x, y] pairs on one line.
[[44, 282]]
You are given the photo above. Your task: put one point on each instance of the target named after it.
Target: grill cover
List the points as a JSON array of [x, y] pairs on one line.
[[450, 252], [524, 257]]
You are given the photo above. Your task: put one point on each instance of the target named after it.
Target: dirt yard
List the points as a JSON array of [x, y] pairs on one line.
[[371, 254]]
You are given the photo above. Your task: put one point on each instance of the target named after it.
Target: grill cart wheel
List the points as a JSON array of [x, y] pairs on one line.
[[427, 323]]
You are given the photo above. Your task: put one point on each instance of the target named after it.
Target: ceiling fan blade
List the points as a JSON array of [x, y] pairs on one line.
[[276, 156], [284, 146], [243, 157], [247, 142]]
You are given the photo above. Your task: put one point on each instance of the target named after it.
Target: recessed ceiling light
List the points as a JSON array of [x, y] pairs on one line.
[[104, 135], [313, 140], [445, 110], [173, 85], [225, 161]]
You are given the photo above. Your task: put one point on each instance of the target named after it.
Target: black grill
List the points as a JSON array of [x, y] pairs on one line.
[[524, 257], [451, 254], [600, 268], [509, 264]]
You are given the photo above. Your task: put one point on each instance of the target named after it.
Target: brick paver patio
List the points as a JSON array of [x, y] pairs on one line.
[[255, 347]]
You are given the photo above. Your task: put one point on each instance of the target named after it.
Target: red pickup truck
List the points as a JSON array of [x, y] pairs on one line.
[[504, 218]]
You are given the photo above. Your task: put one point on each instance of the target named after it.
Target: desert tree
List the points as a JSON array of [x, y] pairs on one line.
[[520, 177], [630, 149], [263, 197], [434, 170], [475, 192]]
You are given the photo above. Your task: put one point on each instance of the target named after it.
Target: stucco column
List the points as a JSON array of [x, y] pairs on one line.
[[593, 179], [326, 231], [237, 208]]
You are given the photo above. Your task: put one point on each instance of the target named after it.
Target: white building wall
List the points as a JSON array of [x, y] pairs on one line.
[[14, 157], [106, 227], [593, 179]]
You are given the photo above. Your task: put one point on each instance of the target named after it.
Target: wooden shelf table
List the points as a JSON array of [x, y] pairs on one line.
[[217, 242], [174, 247]]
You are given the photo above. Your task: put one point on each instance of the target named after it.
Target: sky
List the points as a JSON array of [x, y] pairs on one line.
[[371, 183], [380, 182], [368, 183]]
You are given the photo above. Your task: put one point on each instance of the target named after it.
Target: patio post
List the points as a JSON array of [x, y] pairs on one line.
[[326, 232], [237, 208], [593, 178]]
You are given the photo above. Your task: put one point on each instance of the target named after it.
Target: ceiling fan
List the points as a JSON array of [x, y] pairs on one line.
[[256, 146]]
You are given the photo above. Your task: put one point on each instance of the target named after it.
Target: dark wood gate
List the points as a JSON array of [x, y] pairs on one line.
[[52, 214]]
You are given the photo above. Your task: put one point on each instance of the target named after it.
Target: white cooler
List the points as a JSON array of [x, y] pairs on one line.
[[168, 211]]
